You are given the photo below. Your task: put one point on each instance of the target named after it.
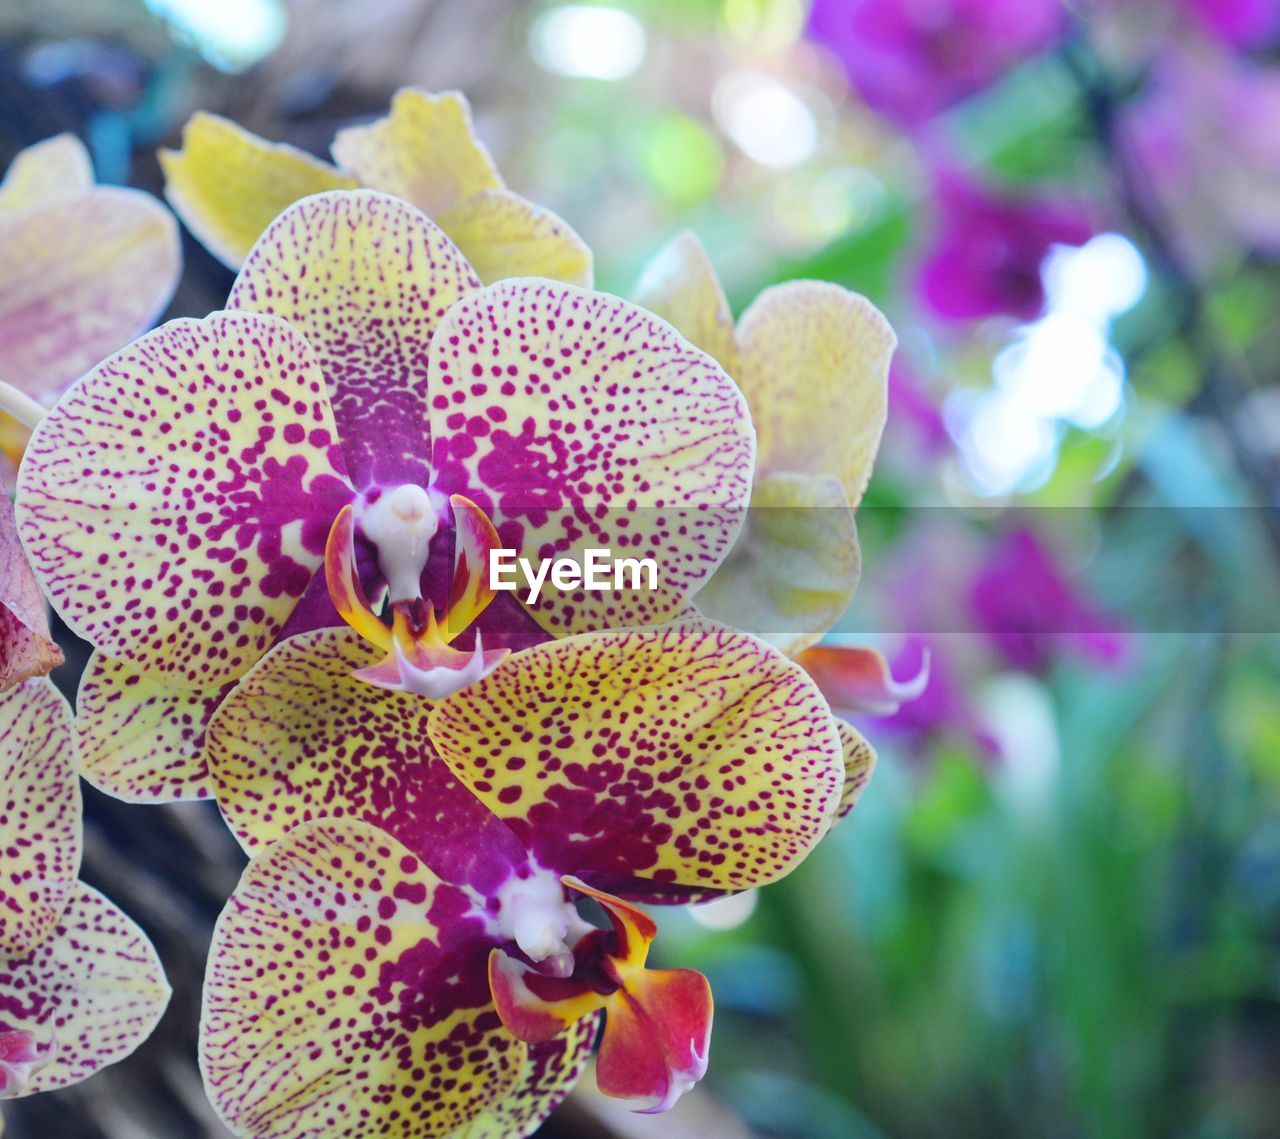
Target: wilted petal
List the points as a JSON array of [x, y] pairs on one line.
[[366, 279], [859, 763], [79, 278], [858, 681], [550, 1070], [680, 285], [795, 569], [40, 837], [576, 420], [58, 167], [26, 648], [424, 151], [815, 370], [177, 500], [504, 235], [139, 740], [94, 985], [301, 738], [346, 995], [228, 184], [690, 753]]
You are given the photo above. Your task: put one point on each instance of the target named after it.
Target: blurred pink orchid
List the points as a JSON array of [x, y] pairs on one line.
[[26, 649], [1030, 612], [1239, 23], [1207, 153], [986, 251], [910, 61]]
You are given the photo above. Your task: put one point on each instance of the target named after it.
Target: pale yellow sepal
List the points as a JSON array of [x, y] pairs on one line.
[[228, 184], [796, 566], [425, 151], [681, 286], [504, 235]]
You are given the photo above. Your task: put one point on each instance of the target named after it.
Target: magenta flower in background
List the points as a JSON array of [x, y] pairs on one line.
[[1239, 23], [945, 707], [1204, 143], [911, 404], [1029, 611], [987, 248], [911, 59]]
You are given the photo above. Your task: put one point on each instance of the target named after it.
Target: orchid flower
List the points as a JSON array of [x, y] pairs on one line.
[[812, 360], [178, 502], [83, 270], [986, 253], [80, 984], [26, 648], [405, 956], [228, 185], [912, 61]]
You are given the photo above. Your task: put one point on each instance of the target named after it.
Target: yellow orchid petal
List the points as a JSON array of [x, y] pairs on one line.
[[689, 754], [40, 834], [94, 986], [681, 286], [815, 371], [346, 995], [425, 151], [550, 1070], [859, 764], [56, 168], [505, 235], [228, 184], [796, 566], [139, 740]]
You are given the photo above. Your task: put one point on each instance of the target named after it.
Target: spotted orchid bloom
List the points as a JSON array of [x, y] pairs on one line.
[[83, 270], [360, 391], [418, 872], [813, 361], [228, 185], [80, 984]]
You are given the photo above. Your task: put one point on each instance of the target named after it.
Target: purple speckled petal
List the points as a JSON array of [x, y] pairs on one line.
[[549, 1073], [141, 741], [577, 420], [176, 501], [859, 765], [95, 985], [80, 277], [40, 837], [691, 754], [366, 278], [347, 995], [301, 738], [26, 648]]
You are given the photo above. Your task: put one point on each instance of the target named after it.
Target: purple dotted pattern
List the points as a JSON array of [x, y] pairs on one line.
[[40, 837], [577, 420], [347, 996], [177, 500], [859, 764], [300, 738], [141, 741], [95, 984], [366, 278], [691, 754]]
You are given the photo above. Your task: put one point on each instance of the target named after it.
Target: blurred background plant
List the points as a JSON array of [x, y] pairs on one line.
[[1057, 911]]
